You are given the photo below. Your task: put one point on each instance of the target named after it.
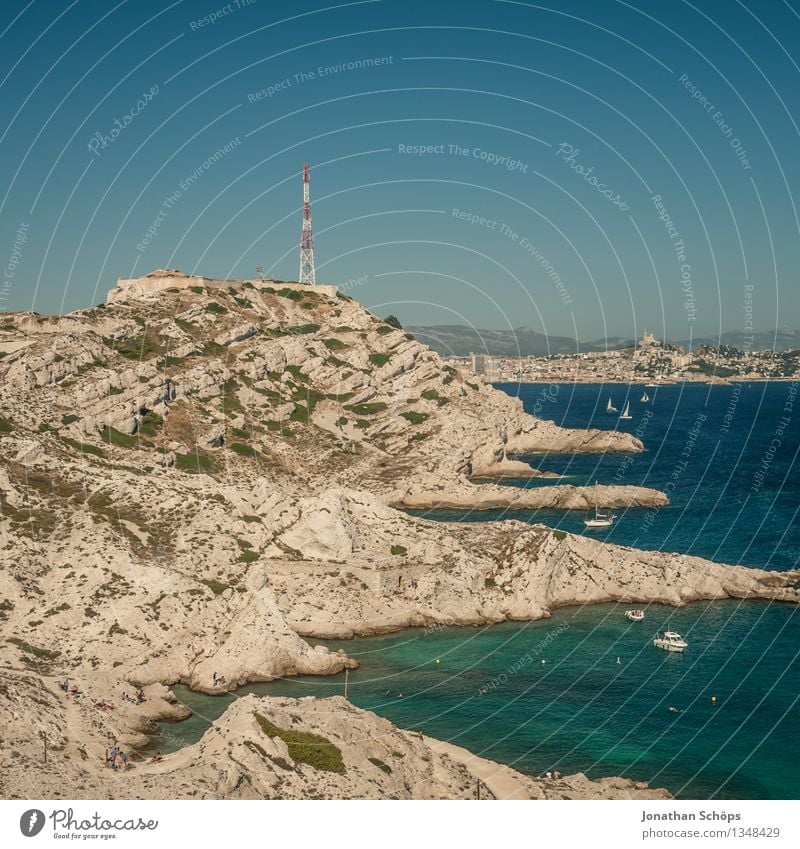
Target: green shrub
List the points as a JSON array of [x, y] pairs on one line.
[[334, 344], [399, 550], [5, 425], [291, 294], [195, 463], [150, 424], [490, 582], [381, 765], [414, 417], [248, 556], [243, 449], [43, 654], [216, 587], [133, 348], [299, 414], [302, 329], [366, 409], [393, 321], [559, 535], [298, 374], [215, 308], [84, 447], [379, 359], [115, 437], [304, 747], [198, 290]]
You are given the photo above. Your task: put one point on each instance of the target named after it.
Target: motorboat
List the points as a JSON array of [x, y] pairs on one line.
[[626, 413], [610, 408], [598, 519], [670, 641], [634, 615]]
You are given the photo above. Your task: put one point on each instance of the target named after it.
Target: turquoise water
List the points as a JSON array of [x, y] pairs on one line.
[[581, 710]]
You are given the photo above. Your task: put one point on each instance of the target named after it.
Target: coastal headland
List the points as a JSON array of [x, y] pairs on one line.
[[199, 475]]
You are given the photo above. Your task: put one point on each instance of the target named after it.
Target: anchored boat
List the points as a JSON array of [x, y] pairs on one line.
[[598, 520], [670, 641], [634, 615]]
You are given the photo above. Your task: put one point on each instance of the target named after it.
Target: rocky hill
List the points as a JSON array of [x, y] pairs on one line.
[[194, 482]]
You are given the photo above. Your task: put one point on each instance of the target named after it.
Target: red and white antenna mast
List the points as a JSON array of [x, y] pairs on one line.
[[308, 272]]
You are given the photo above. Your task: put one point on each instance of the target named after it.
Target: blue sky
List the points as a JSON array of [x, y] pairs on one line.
[[592, 168]]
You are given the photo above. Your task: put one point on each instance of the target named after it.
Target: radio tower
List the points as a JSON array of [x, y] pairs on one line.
[[307, 271]]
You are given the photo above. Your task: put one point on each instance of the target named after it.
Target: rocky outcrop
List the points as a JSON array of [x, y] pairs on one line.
[[487, 497], [194, 482], [351, 754]]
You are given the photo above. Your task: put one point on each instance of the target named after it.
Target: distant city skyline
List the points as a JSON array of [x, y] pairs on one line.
[[587, 171]]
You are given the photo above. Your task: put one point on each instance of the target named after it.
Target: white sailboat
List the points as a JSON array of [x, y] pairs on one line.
[[598, 520], [626, 413], [610, 408], [645, 398]]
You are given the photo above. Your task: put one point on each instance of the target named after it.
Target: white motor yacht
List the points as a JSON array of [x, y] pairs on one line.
[[670, 641]]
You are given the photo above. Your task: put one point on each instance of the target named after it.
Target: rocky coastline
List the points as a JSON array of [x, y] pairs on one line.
[[194, 482]]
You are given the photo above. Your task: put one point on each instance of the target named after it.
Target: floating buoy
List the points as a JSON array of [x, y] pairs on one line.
[[543, 661], [438, 661], [713, 699]]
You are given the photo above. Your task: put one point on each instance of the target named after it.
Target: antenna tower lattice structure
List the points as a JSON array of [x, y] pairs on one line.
[[308, 272]]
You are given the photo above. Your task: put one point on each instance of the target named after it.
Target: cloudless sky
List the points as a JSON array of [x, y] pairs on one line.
[[694, 102]]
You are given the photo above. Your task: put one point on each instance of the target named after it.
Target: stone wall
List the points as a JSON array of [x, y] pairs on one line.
[[138, 287]]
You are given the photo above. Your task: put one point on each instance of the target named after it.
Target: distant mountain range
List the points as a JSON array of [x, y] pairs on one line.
[[459, 340]]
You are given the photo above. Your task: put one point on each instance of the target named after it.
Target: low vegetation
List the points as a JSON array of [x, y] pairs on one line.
[[305, 747]]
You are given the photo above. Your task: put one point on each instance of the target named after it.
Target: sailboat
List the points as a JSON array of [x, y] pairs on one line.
[[598, 520], [626, 413], [645, 398], [610, 408]]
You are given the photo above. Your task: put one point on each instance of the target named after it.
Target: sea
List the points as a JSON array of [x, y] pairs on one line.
[[586, 691]]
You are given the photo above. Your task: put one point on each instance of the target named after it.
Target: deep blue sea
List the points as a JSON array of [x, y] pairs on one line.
[[600, 703]]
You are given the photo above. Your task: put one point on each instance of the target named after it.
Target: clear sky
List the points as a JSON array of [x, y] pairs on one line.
[[489, 163]]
